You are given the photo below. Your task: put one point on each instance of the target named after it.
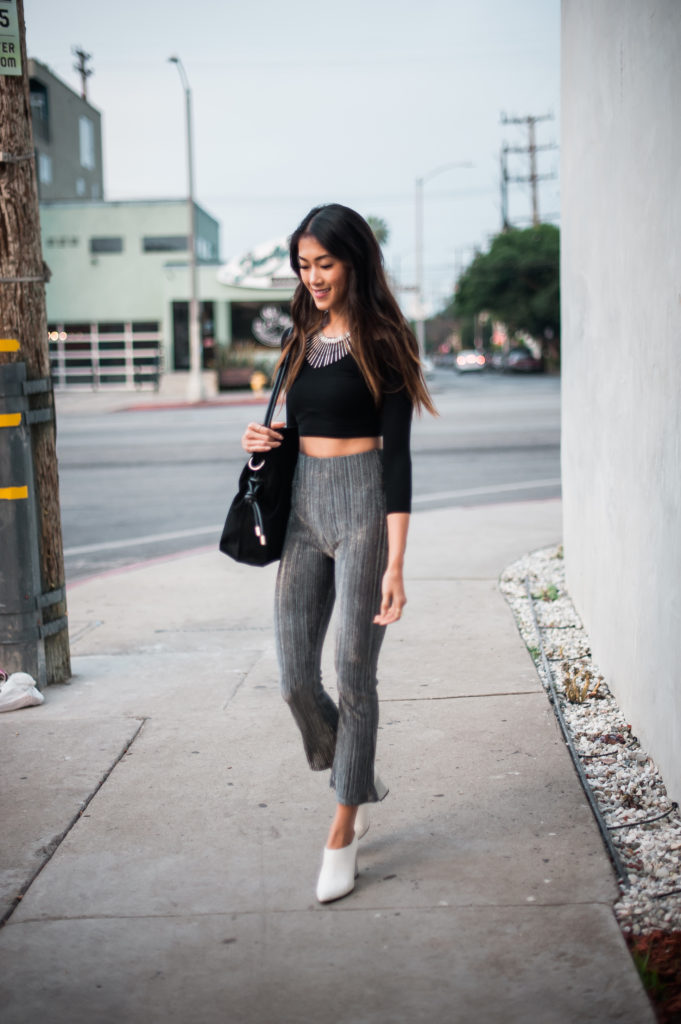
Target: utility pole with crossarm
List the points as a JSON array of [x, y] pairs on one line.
[[533, 178]]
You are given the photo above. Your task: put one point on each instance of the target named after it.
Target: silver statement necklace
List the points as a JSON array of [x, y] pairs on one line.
[[322, 351]]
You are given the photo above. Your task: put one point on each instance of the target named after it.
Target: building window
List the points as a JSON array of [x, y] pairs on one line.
[[164, 243], [259, 321], [111, 327], [44, 169], [40, 111], [204, 249], [110, 244], [86, 136], [62, 242]]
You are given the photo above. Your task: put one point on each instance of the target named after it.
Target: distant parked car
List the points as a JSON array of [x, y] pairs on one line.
[[468, 360], [521, 360]]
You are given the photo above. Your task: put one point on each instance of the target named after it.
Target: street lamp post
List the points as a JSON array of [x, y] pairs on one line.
[[418, 237], [195, 383]]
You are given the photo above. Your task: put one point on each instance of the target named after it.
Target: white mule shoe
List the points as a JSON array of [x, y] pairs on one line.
[[380, 787], [338, 873], [362, 819]]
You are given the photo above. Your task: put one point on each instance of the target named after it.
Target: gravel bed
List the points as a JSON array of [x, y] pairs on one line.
[[624, 780]]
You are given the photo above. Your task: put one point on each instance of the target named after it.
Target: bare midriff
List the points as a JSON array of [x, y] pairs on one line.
[[332, 447]]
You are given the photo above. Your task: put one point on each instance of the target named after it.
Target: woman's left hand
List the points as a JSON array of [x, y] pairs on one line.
[[393, 598]]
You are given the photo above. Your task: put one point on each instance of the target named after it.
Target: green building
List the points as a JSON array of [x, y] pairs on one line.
[[118, 295]]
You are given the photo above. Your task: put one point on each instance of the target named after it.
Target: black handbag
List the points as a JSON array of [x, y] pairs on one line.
[[256, 522]]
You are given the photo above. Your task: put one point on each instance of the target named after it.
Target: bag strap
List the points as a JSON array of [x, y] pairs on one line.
[[276, 387]]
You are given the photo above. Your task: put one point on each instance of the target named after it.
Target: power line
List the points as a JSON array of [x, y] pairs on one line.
[[391, 198], [533, 178]]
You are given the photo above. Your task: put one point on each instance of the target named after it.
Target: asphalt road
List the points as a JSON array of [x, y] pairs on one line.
[[140, 484]]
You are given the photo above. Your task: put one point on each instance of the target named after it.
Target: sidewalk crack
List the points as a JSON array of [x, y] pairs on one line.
[[244, 676], [462, 696], [49, 849]]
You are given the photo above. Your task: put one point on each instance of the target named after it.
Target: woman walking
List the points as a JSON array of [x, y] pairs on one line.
[[353, 380]]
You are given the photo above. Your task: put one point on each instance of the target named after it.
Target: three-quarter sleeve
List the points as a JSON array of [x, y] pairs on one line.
[[396, 413]]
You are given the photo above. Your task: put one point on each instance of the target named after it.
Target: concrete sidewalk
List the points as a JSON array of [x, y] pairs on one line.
[[88, 402], [185, 891]]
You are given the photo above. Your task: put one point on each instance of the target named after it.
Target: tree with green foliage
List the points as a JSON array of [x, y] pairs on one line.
[[380, 229], [518, 282]]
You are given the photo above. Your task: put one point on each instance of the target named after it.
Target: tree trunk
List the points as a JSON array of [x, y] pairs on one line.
[[23, 317]]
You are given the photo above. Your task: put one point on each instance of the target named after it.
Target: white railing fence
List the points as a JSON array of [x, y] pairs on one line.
[[98, 356]]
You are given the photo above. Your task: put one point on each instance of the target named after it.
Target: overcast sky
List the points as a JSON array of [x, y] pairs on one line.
[[299, 103]]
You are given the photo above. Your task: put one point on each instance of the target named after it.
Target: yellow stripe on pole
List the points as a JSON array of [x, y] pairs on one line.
[[13, 493], [9, 345], [10, 419]]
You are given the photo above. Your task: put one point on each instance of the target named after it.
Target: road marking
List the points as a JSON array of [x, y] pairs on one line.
[[152, 538], [199, 531], [472, 492]]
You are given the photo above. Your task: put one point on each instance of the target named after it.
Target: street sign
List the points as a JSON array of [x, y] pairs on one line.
[[10, 40]]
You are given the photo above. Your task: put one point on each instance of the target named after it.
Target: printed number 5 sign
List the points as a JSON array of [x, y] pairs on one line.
[[10, 43]]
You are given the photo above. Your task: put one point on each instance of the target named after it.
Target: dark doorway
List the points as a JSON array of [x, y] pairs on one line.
[[181, 335]]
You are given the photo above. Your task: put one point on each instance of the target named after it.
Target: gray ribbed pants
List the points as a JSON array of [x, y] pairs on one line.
[[335, 552]]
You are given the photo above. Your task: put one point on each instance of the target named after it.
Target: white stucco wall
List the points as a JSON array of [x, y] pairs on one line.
[[621, 344]]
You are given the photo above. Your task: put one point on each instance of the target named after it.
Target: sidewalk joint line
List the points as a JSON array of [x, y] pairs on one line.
[[463, 696], [347, 908], [56, 842], [245, 675]]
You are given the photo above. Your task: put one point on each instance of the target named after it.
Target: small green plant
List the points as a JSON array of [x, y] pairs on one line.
[[649, 976], [559, 552], [240, 365], [253, 357], [534, 653], [578, 683]]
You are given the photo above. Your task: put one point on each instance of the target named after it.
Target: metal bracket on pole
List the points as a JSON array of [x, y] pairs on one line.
[[37, 387], [39, 415], [51, 597], [50, 628], [16, 384]]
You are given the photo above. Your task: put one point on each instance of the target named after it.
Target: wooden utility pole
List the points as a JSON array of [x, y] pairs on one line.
[[532, 178], [23, 328], [81, 67], [505, 224]]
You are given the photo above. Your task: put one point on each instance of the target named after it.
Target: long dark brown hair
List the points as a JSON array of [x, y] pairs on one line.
[[382, 342]]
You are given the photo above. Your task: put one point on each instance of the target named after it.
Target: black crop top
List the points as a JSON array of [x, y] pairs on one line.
[[334, 401]]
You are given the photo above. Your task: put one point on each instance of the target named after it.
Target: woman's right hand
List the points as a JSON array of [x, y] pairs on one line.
[[261, 439]]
